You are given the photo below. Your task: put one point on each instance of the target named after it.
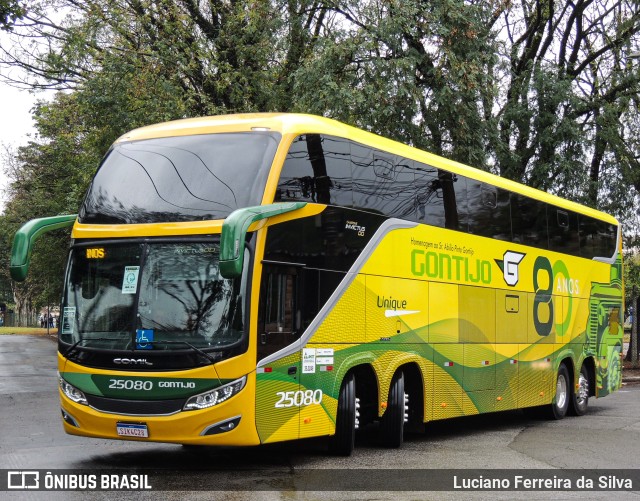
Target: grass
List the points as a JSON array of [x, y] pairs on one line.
[[32, 331]]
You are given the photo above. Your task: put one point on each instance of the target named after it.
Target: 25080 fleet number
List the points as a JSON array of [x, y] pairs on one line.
[[298, 398], [130, 384]]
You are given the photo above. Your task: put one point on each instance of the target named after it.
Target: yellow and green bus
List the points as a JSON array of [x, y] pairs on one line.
[[248, 279]]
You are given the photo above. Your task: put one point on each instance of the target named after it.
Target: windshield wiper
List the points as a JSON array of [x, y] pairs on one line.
[[211, 359], [194, 348], [74, 345]]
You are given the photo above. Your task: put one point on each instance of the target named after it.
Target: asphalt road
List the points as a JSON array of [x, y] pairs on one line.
[[31, 438]]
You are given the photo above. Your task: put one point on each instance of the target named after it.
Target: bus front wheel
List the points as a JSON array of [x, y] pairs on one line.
[[343, 442]]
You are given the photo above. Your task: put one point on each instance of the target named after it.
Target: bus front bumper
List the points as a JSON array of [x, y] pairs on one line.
[[231, 422]]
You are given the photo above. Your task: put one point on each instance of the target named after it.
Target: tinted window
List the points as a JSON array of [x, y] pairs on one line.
[[597, 238], [454, 194], [186, 178], [529, 221], [489, 210], [339, 172], [440, 198], [331, 240], [401, 200], [317, 169], [563, 231], [428, 194], [373, 178]]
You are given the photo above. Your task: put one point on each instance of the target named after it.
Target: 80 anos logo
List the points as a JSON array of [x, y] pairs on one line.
[[545, 275]]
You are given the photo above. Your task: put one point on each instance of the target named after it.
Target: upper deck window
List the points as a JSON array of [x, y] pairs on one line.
[[185, 178]]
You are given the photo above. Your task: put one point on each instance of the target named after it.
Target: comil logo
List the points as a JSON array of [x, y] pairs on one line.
[[509, 266]]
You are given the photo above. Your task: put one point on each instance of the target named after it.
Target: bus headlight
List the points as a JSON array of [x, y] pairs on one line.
[[215, 397], [72, 392]]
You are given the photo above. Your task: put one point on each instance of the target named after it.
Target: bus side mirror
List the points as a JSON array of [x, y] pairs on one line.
[[234, 231], [25, 238]]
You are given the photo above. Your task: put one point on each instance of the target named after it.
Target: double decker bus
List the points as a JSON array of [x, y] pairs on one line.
[[247, 279]]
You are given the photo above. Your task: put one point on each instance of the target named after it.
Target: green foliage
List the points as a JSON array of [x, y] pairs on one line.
[[10, 12], [414, 71], [631, 276], [51, 179]]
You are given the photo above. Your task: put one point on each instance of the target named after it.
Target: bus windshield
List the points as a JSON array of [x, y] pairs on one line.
[[157, 296], [184, 178]]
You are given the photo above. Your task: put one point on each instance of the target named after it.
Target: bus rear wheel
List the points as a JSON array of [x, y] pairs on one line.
[[560, 405], [343, 442], [580, 400], [392, 425]]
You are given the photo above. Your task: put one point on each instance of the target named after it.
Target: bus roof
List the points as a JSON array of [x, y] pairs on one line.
[[293, 124]]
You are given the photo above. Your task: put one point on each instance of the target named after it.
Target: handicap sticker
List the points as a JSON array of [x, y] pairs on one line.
[[144, 339]]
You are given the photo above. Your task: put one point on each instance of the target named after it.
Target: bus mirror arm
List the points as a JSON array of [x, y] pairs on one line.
[[27, 235], [234, 231]]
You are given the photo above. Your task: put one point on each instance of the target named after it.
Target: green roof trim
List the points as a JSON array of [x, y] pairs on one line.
[[25, 238], [234, 231]]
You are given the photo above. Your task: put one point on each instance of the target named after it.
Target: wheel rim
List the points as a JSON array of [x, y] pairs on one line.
[[561, 392], [582, 395]]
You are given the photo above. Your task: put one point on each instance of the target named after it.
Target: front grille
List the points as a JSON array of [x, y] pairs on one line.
[[136, 407], [157, 360]]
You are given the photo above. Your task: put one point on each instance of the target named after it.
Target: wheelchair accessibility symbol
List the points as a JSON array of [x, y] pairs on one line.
[[144, 339]]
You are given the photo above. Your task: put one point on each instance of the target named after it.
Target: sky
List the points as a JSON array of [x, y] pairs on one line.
[[15, 124], [15, 116]]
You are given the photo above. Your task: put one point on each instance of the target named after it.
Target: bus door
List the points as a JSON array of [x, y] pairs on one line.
[[278, 371]]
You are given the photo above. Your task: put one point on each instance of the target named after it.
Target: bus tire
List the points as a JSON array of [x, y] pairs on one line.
[[392, 424], [343, 442], [560, 405], [580, 395]]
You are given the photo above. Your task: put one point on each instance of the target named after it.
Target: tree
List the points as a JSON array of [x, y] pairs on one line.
[[47, 178], [536, 91], [218, 56], [10, 12], [419, 72]]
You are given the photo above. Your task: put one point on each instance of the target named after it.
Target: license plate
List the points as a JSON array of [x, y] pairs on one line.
[[132, 430]]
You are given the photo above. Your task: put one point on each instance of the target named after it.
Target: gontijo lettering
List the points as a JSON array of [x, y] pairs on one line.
[[442, 266]]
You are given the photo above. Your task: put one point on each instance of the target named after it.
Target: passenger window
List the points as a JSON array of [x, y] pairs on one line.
[[317, 169], [383, 167], [529, 221], [401, 202], [563, 231], [369, 189], [607, 239], [597, 238], [488, 210], [429, 196], [454, 196], [489, 196]]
